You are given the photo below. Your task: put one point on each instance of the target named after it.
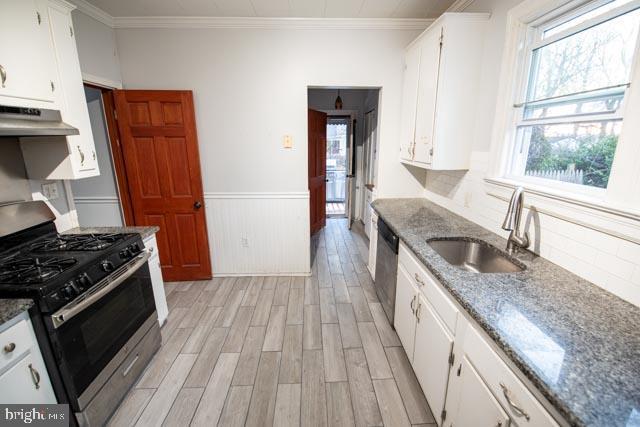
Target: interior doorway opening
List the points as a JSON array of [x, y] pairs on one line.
[[342, 153]]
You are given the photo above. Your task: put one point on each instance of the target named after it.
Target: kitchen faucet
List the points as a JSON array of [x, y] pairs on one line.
[[512, 222]]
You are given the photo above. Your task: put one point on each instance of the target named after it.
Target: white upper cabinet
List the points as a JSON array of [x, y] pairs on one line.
[[70, 157], [440, 92], [26, 74]]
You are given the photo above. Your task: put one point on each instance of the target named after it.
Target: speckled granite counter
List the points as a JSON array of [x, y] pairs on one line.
[[145, 231], [578, 344], [10, 308]]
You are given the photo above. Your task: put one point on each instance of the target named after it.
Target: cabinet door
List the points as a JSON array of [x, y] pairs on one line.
[[28, 381], [433, 345], [24, 52], [427, 94], [409, 99], [70, 94], [477, 407], [404, 318]]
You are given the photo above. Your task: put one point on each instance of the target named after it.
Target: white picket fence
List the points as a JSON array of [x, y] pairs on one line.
[[569, 175]]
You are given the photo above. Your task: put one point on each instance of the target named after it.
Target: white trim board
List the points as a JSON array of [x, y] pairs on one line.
[[271, 23], [265, 195], [93, 12], [101, 81]]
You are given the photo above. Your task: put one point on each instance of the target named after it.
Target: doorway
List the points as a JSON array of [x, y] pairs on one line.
[[338, 147]]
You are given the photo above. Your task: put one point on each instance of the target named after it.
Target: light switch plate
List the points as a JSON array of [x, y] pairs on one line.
[[287, 141]]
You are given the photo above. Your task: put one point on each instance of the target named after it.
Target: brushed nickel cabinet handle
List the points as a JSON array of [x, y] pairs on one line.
[[9, 347], [53, 86], [516, 409], [413, 310], [3, 76], [418, 279], [35, 376], [81, 155], [94, 154], [418, 312]]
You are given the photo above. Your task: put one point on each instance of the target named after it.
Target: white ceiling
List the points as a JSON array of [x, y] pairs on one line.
[[418, 9]]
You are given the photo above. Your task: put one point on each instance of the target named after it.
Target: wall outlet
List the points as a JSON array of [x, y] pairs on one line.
[[287, 141], [50, 191], [244, 242]]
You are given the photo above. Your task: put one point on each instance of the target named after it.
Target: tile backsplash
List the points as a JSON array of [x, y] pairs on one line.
[[608, 261]]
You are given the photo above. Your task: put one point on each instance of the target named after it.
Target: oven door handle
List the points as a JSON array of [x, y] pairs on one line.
[[103, 287]]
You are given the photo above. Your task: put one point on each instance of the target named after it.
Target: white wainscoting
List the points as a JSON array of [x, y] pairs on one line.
[[262, 234], [98, 211]]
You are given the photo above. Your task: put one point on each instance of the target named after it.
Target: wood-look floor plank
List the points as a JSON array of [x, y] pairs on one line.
[[183, 407], [201, 331], [183, 286], [297, 282], [388, 336], [360, 305], [242, 283], [390, 403], [160, 404], [312, 331], [250, 356], [213, 284], [311, 295], [275, 329], [239, 327], [339, 410], [253, 291], [164, 358], [348, 326], [408, 386], [287, 412], [291, 364], [334, 365], [214, 396], [131, 407], [190, 320], [235, 408], [363, 397], [202, 368], [281, 296], [263, 399], [340, 289], [295, 308], [263, 307], [376, 357], [328, 312], [223, 292], [270, 282], [335, 266], [230, 309], [188, 298], [313, 405], [173, 320], [366, 283]]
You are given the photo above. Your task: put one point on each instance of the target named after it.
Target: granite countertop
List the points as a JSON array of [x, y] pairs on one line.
[[145, 231], [10, 308], [578, 344]]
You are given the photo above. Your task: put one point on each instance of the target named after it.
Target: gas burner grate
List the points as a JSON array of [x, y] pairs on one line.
[[33, 270], [75, 242]]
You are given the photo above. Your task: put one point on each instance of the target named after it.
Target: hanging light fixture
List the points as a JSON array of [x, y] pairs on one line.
[[338, 103]]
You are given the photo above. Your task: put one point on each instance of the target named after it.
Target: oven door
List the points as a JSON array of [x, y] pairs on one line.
[[88, 332]]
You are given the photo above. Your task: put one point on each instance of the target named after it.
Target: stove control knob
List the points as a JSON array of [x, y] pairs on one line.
[[69, 291], [83, 281], [107, 266]]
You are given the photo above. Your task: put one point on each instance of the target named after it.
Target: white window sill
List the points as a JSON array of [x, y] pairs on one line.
[[593, 213]]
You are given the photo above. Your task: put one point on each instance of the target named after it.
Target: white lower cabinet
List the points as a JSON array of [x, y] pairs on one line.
[[156, 279], [23, 376], [478, 406], [464, 379]]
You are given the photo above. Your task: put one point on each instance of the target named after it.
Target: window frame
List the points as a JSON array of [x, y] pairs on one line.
[[526, 22]]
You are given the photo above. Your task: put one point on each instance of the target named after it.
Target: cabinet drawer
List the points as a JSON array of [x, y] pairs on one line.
[[503, 383], [14, 342], [430, 287]]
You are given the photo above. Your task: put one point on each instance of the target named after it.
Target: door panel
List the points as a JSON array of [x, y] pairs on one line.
[[317, 123], [162, 164]]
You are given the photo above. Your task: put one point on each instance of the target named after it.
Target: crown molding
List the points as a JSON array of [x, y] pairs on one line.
[[94, 12], [271, 23], [460, 5]]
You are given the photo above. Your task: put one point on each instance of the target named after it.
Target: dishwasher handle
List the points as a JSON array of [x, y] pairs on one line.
[[385, 233]]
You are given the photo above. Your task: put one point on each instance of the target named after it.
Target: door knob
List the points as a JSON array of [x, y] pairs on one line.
[[197, 205]]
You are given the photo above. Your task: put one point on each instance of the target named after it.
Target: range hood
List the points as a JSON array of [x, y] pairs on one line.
[[20, 121]]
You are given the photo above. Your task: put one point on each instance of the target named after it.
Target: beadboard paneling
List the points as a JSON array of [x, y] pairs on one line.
[[258, 233]]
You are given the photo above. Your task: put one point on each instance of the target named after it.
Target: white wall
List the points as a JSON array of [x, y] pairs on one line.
[[250, 89], [610, 262], [96, 50]]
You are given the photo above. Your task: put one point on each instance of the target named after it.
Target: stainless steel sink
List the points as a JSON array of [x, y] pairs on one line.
[[475, 256]]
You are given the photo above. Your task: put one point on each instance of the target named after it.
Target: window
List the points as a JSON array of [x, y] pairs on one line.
[[574, 87]]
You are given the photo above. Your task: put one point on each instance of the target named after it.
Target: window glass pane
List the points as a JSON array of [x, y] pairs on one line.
[[577, 153], [598, 57], [589, 13], [598, 102]]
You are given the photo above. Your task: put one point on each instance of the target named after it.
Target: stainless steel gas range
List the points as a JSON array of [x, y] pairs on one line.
[[95, 317]]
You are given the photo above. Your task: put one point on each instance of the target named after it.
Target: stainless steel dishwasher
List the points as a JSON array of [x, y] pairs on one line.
[[386, 268]]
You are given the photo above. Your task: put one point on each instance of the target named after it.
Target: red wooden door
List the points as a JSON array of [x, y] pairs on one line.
[[160, 150], [317, 169]]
